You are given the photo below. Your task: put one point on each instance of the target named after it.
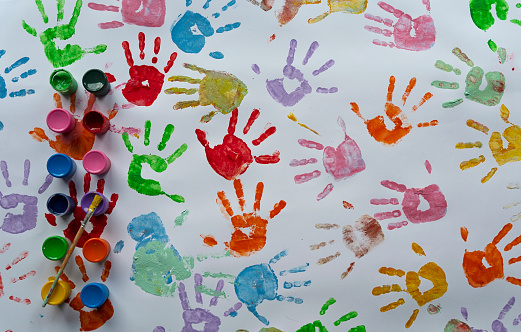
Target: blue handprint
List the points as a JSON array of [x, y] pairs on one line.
[[190, 30], [8, 70]]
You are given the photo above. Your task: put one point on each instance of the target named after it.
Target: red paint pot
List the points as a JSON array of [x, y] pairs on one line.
[[95, 122]]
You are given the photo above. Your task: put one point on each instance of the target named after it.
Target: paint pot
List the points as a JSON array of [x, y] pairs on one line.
[[63, 82], [60, 121], [95, 122], [87, 199], [93, 295], [60, 204], [96, 82], [96, 250], [61, 165], [55, 247], [96, 162], [60, 293]]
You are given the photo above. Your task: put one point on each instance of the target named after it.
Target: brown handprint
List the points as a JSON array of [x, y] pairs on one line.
[[376, 126]]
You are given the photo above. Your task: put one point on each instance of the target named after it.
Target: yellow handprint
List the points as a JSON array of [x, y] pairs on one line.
[[346, 6]]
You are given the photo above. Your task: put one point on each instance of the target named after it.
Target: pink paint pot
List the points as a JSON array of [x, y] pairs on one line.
[[96, 162], [60, 120], [95, 122], [87, 199]]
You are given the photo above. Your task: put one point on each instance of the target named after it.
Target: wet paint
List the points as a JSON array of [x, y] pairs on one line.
[[62, 81], [60, 120], [96, 250], [135, 12], [95, 122], [96, 162], [60, 204], [61, 292], [96, 82], [94, 295], [87, 199], [55, 248], [60, 165]]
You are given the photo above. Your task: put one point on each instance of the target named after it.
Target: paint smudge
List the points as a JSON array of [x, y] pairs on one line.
[[81, 266], [363, 236], [347, 205], [62, 32], [135, 12], [118, 247], [377, 127], [423, 37], [181, 219], [481, 12], [417, 249], [223, 91], [195, 316], [311, 327], [430, 271], [233, 157], [293, 118], [349, 269], [26, 74], [209, 240], [249, 235], [433, 309], [158, 164], [145, 82]]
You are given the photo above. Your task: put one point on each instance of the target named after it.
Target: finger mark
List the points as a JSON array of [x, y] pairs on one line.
[[198, 280], [218, 289], [327, 90], [258, 196], [387, 215], [141, 41], [16, 64], [298, 269], [320, 245], [170, 62], [393, 305], [328, 259], [19, 300], [23, 255], [310, 144], [279, 256], [349, 269], [477, 126], [24, 75], [391, 271], [383, 201], [412, 318], [489, 175], [237, 184], [5, 173], [502, 233], [169, 129], [110, 25], [507, 308], [81, 266], [327, 190], [224, 203], [312, 48], [277, 208], [106, 270], [24, 276], [183, 297], [233, 310], [305, 177], [5, 248], [472, 163], [27, 170], [291, 52], [469, 145]]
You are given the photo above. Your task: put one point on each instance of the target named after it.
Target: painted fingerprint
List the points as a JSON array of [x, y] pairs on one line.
[[17, 278], [311, 327]]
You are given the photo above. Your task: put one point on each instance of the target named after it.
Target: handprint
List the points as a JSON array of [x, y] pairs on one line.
[[98, 222], [158, 164], [311, 327], [145, 81], [377, 127], [145, 13], [23, 255], [3, 86], [290, 8], [502, 155], [19, 223], [223, 91], [249, 234], [190, 30], [259, 282], [233, 157], [341, 162], [480, 12], [430, 271], [490, 96], [423, 37], [70, 53]]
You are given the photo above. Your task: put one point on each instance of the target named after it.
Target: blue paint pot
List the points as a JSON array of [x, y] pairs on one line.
[[60, 204], [61, 165], [93, 295]]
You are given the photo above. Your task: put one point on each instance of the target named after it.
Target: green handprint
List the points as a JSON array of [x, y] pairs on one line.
[[480, 11], [148, 186], [318, 326], [70, 53]]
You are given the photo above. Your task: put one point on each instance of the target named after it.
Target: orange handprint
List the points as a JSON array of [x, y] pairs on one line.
[[376, 126]]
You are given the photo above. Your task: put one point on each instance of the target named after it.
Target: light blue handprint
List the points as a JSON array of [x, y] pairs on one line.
[[3, 85]]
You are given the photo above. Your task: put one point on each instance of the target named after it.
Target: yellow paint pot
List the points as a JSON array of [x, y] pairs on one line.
[[61, 292]]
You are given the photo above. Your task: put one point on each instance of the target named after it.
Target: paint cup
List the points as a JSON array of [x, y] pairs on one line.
[[61, 165], [60, 293], [95, 122], [63, 82], [93, 295], [96, 162], [96, 250], [60, 204], [87, 199], [60, 120], [55, 247], [96, 82]]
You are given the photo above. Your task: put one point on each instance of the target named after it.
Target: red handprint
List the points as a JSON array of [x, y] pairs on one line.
[[98, 222]]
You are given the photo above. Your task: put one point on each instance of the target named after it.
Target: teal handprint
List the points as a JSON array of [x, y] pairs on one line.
[[70, 53], [158, 164]]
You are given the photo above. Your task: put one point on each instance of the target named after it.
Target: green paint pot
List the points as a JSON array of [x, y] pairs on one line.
[[55, 247], [63, 82], [96, 82]]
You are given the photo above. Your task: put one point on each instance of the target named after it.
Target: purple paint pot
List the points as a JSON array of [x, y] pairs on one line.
[[87, 199], [60, 121], [96, 162], [93, 295], [95, 122], [61, 165], [60, 204]]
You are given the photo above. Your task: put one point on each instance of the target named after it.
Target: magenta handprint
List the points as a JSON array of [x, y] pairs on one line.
[[422, 38], [146, 13]]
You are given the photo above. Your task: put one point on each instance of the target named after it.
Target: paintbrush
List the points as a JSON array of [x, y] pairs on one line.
[[95, 202]]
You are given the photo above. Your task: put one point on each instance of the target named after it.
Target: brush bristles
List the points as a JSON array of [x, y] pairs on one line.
[[95, 202]]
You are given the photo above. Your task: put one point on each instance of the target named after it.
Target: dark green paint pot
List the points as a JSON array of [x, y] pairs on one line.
[[96, 82]]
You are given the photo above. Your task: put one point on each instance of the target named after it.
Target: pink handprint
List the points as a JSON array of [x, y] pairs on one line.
[[423, 37], [146, 13]]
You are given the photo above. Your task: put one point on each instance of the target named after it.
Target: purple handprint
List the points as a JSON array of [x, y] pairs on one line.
[[19, 223], [276, 87]]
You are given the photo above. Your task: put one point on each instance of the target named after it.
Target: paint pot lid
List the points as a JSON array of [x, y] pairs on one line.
[[93, 295], [95, 250], [94, 80], [60, 120], [55, 247], [59, 165], [61, 292], [95, 162]]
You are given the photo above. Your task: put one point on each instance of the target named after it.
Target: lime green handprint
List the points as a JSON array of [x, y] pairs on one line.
[[70, 53], [135, 179]]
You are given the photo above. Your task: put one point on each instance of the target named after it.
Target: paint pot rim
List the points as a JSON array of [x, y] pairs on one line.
[[100, 116], [87, 199], [93, 255], [91, 162], [61, 292], [67, 162], [70, 89], [54, 126], [54, 241], [101, 292]]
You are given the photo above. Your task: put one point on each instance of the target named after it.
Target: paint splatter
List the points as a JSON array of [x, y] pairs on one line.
[[347, 205], [502, 154], [341, 162], [190, 40], [423, 37], [430, 271], [312, 327], [135, 12], [181, 219], [98, 223], [26, 74], [481, 12], [433, 309], [377, 127], [61, 32], [249, 234], [145, 81], [233, 157], [293, 118], [223, 91], [158, 164], [118, 247]]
